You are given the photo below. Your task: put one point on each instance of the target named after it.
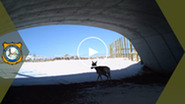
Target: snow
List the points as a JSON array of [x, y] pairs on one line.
[[72, 71]]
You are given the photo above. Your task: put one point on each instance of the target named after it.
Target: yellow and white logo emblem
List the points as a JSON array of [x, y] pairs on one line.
[[12, 53]]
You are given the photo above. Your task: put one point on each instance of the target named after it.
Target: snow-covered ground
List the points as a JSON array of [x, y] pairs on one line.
[[72, 71]]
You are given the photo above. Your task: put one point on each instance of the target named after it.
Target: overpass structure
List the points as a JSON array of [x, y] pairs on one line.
[[141, 21]]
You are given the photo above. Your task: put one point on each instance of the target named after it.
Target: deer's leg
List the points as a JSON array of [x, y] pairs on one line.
[[101, 77], [98, 77], [109, 76], [106, 76]]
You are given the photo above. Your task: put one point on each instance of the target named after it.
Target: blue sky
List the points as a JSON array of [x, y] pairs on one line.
[[58, 40]]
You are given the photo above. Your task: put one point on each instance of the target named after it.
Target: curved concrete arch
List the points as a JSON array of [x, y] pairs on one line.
[[141, 21]]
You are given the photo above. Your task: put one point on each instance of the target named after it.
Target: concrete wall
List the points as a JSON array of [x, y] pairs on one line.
[[141, 21]]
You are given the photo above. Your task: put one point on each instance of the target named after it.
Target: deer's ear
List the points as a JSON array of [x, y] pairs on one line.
[[96, 62], [92, 62]]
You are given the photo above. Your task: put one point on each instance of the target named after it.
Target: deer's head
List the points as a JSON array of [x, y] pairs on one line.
[[93, 64]]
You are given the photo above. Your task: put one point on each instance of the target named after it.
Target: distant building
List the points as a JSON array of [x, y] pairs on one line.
[[66, 57]]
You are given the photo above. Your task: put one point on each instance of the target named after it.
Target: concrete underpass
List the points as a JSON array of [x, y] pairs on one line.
[[141, 21]]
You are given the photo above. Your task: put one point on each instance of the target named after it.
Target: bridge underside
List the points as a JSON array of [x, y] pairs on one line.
[[141, 21]]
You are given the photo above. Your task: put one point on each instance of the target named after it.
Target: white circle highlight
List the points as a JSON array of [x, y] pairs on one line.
[[91, 38]]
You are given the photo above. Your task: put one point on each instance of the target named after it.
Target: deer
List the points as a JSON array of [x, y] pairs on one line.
[[101, 70]]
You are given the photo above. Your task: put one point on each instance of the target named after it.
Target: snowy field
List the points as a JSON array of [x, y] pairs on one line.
[[72, 71], [57, 73]]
